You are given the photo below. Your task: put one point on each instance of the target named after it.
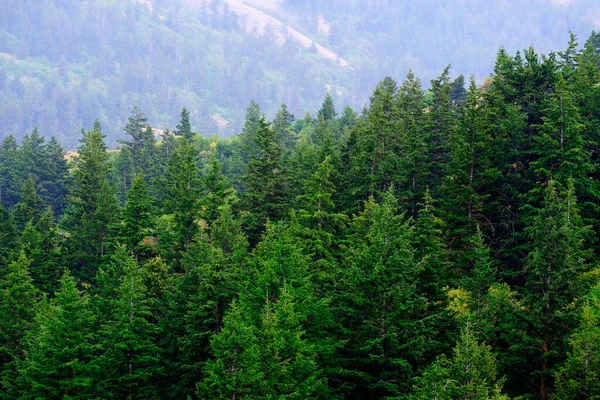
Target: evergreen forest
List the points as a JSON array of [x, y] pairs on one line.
[[440, 243]]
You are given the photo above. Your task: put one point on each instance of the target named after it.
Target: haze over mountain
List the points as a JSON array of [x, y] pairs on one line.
[[65, 63]]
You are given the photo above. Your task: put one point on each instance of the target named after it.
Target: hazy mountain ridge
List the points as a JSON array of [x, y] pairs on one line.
[[66, 63]]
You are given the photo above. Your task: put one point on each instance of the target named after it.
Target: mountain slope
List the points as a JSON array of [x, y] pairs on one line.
[[65, 63]]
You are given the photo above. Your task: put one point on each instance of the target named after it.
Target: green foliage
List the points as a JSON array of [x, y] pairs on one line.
[[469, 374], [92, 207], [59, 348]]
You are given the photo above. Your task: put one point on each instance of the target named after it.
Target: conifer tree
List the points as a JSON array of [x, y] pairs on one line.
[[41, 244], [181, 188], [59, 348], [265, 183], [137, 221], [216, 191], [248, 143], [129, 364], [327, 110], [10, 173], [414, 151], [374, 148], [469, 168], [270, 360], [282, 125], [469, 374], [135, 127], [380, 303], [579, 376], [92, 207], [554, 280], [184, 128], [8, 235], [52, 180], [30, 206], [18, 298]]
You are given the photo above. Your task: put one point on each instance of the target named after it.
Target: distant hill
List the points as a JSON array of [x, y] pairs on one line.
[[64, 63]]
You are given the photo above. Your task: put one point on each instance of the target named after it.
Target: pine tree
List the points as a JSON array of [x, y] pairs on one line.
[[58, 349], [135, 127], [374, 149], [469, 374], [10, 173], [327, 110], [554, 280], [282, 125], [30, 206], [92, 207], [380, 304], [469, 169], [41, 244], [181, 189], [579, 375], [414, 152], [248, 143], [216, 191], [18, 298], [129, 364], [137, 221], [271, 360], [265, 183], [184, 128], [52, 180], [8, 236]]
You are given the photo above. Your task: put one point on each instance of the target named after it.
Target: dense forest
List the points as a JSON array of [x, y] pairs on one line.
[[66, 63], [435, 245]]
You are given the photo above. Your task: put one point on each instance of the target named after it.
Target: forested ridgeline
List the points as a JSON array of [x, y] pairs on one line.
[[441, 244]]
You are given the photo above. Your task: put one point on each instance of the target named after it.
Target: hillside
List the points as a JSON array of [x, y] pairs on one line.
[[65, 63]]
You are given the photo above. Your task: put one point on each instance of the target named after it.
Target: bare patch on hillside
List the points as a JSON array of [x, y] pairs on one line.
[[221, 122], [7, 56], [256, 21], [322, 25]]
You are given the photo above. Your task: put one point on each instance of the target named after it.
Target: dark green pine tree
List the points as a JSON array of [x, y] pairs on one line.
[[41, 244], [374, 162], [554, 279], [265, 183], [379, 304], [469, 170], [248, 143], [320, 223], [148, 160], [8, 236], [282, 125], [440, 126], [121, 172], [135, 128], [29, 207], [327, 110], [52, 179], [59, 348], [216, 265], [458, 95], [411, 104], [469, 374], [181, 187], [18, 299], [128, 366], [216, 191], [578, 378], [267, 360], [184, 128], [138, 226], [92, 207], [10, 172]]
